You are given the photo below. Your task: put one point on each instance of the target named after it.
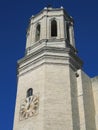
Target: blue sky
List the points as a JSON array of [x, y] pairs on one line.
[[14, 18]]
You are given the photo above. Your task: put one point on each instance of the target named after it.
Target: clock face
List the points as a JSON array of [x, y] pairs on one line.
[[29, 107]]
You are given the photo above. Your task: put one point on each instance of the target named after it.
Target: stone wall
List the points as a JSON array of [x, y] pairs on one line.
[[95, 94]]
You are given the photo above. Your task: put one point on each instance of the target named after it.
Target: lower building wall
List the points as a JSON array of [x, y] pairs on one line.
[[86, 100], [95, 94], [74, 100]]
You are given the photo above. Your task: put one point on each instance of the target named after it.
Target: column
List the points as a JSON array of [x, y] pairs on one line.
[[71, 34]]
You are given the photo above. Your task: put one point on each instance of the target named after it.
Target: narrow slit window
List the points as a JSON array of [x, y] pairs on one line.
[[53, 28], [29, 92], [38, 32], [68, 36]]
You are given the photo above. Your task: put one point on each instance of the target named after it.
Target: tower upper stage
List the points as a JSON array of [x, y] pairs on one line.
[[52, 26]]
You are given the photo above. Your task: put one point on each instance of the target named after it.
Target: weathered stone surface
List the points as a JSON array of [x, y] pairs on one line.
[[68, 98], [95, 94]]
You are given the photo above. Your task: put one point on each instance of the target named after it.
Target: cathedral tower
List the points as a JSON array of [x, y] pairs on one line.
[[50, 91]]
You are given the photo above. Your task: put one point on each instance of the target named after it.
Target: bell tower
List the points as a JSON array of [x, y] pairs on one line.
[[47, 74]]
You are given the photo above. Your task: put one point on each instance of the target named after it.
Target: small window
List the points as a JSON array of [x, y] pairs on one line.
[[29, 92], [53, 28], [38, 32]]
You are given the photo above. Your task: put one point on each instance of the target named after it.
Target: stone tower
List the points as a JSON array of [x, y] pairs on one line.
[[53, 92]]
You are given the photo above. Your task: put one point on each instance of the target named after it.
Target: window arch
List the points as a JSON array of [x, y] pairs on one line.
[[53, 28], [29, 92], [38, 32]]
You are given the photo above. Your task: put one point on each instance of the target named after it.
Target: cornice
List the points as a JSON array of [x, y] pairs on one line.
[[47, 10], [43, 14], [41, 42], [49, 55]]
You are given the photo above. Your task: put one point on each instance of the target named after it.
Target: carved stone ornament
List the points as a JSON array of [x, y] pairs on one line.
[[29, 107]]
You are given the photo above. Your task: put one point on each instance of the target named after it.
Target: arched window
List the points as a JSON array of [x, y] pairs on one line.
[[38, 32], [29, 92], [53, 28]]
